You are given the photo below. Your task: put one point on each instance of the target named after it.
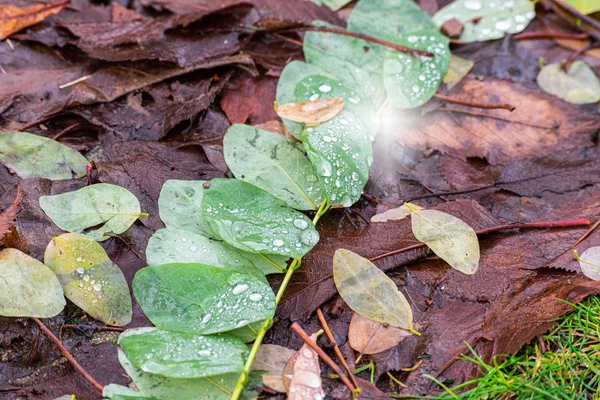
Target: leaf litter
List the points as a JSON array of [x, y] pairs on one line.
[[473, 151]]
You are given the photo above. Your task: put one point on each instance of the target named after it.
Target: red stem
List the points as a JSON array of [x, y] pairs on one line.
[[551, 35], [503, 106], [326, 359], [68, 355], [529, 225]]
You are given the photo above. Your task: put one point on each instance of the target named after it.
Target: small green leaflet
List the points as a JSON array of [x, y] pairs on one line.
[[273, 163], [589, 262], [202, 299], [409, 81], [578, 86], [487, 19], [251, 219], [180, 206], [457, 70], [585, 6], [89, 278], [170, 245], [27, 287], [368, 291], [448, 237], [184, 355], [32, 156], [112, 207], [342, 153]]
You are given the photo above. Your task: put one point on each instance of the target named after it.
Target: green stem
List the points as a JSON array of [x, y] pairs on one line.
[[296, 262]]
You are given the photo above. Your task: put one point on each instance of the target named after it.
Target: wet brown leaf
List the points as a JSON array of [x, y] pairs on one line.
[[13, 19], [306, 375], [7, 218], [311, 113], [370, 337]]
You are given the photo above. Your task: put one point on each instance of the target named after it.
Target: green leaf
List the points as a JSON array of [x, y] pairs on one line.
[[251, 219], [32, 156], [354, 62], [585, 6], [589, 262], [112, 207], [89, 278], [578, 86], [409, 81], [170, 245], [458, 68], [273, 163], [185, 355], [342, 153], [180, 206], [368, 291], [487, 19], [448, 237], [27, 287], [202, 299]]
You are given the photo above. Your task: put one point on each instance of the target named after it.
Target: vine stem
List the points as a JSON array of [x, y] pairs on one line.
[[67, 355], [296, 262]]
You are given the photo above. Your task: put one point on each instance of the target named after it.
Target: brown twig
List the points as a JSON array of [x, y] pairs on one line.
[[447, 99], [571, 10], [455, 357], [66, 130], [585, 235], [551, 35], [336, 348], [368, 38], [375, 200], [67, 355], [96, 328], [578, 54], [529, 225], [477, 114], [326, 359]]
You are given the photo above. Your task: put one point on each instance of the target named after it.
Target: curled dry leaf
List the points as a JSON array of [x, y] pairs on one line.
[[448, 237], [395, 214], [368, 291], [306, 375], [273, 359], [311, 112], [13, 19], [589, 262], [371, 337]]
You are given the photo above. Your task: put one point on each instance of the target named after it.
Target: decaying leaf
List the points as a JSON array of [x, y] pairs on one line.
[[579, 85], [458, 68], [448, 237], [368, 291], [371, 337], [487, 19], [589, 262], [89, 278], [395, 214], [273, 359], [13, 19], [306, 375], [313, 112], [7, 218], [27, 287]]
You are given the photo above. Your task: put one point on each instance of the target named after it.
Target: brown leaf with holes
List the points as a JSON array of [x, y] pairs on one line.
[[311, 113], [13, 19]]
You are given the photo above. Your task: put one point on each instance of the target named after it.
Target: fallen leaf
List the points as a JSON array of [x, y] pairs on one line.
[[368, 290], [448, 237], [13, 19], [589, 262], [273, 359], [370, 337], [458, 68], [306, 375], [585, 6], [27, 287], [89, 278], [395, 214], [7, 218], [579, 85], [311, 113]]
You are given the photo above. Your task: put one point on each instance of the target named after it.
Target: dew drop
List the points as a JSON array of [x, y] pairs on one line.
[[325, 168], [415, 88], [354, 176], [325, 88], [255, 297], [206, 318], [240, 288], [472, 5], [503, 25], [204, 353], [193, 248], [86, 277], [300, 224], [314, 97], [310, 238], [242, 323], [326, 139], [80, 270], [352, 100], [79, 259], [277, 242], [97, 287]]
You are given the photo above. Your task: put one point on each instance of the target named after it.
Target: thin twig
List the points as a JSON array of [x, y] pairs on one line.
[[485, 106], [529, 225], [96, 328], [66, 130], [551, 35], [326, 359], [454, 357], [375, 200], [571, 10], [68, 355], [477, 114], [336, 348], [578, 54], [585, 235], [368, 38]]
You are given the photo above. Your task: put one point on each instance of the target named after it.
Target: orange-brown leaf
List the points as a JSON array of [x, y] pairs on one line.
[[311, 112], [7, 218], [306, 376], [13, 19], [371, 337]]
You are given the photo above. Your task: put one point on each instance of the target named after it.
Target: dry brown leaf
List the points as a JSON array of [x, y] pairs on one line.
[[7, 218], [273, 359], [13, 19], [306, 375], [311, 112], [370, 337]]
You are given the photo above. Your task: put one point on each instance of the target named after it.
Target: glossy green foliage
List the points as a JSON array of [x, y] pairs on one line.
[[180, 206]]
